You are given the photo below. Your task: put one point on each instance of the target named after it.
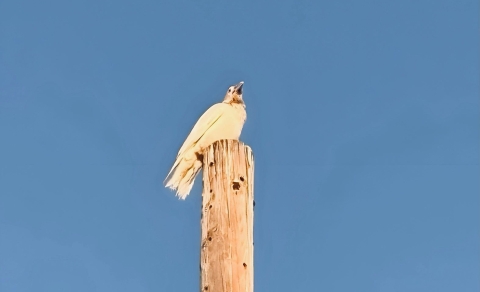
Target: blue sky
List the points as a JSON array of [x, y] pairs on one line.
[[363, 117]]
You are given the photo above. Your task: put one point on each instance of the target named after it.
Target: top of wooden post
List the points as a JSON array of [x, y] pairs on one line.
[[227, 218]]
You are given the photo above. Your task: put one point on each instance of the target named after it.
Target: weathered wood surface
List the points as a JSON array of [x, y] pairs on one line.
[[227, 218]]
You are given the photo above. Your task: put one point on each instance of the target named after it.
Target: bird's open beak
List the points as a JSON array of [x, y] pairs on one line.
[[239, 87]]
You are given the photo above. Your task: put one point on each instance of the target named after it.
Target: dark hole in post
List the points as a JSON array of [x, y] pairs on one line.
[[205, 288], [244, 265], [199, 156], [210, 207], [211, 164], [241, 178], [210, 239], [236, 185]]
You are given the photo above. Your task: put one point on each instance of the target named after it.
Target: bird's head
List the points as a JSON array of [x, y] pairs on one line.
[[234, 94]]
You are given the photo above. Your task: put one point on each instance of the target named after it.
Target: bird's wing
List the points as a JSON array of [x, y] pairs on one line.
[[206, 121], [203, 124]]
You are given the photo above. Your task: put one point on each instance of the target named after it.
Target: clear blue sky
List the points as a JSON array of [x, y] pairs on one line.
[[363, 117]]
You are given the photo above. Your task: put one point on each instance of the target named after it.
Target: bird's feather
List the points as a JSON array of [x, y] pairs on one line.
[[206, 121], [203, 124]]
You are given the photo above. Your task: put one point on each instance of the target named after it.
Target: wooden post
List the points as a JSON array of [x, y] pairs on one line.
[[226, 259]]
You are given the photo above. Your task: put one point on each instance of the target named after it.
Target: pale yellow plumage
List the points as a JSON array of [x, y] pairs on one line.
[[221, 121]]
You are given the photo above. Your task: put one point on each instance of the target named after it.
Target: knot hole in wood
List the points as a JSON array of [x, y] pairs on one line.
[[235, 185]]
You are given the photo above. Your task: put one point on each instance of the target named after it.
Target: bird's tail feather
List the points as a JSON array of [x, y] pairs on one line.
[[182, 178]]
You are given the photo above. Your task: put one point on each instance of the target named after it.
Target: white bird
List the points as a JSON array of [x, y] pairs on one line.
[[221, 121]]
